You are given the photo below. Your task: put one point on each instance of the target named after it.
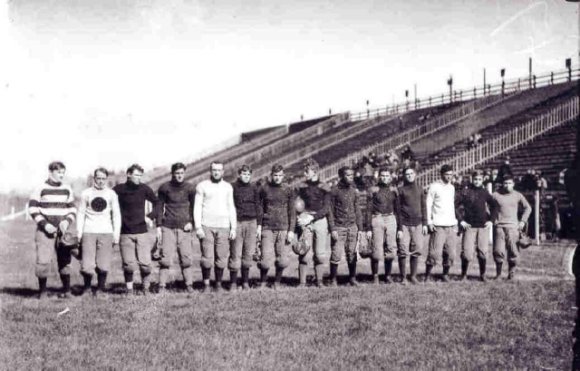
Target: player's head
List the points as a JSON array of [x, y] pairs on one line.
[[446, 173], [245, 173], [56, 171], [409, 175], [178, 172], [477, 178], [385, 176], [277, 174], [311, 168], [134, 173], [346, 174], [217, 171], [100, 176], [508, 183]]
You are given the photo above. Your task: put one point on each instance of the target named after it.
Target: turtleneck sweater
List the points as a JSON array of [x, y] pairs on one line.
[[176, 202], [132, 199]]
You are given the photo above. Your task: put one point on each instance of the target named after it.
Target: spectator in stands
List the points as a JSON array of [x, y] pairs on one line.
[[541, 182], [470, 142], [562, 177], [494, 180], [528, 182], [505, 169], [408, 153], [373, 160], [477, 139], [392, 157]]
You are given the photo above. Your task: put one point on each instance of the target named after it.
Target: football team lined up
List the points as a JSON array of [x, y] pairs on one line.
[[230, 222]]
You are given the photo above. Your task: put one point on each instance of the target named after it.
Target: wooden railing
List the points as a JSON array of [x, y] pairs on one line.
[[514, 138], [470, 94]]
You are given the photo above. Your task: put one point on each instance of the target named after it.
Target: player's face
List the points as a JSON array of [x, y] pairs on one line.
[[278, 177], [310, 174], [217, 171], [410, 175], [478, 180], [447, 177], [348, 177], [508, 185], [385, 177], [57, 175], [100, 180], [135, 177], [179, 175], [245, 176]]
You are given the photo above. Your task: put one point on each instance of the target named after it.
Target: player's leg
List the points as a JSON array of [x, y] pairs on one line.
[[45, 251], [482, 249], [207, 256], [248, 251], [499, 246], [436, 242], [417, 241], [282, 253], [185, 253], [449, 246], [336, 253], [268, 255], [222, 251], [390, 249], [168, 249], [378, 229], [304, 260], [103, 259], [319, 248], [467, 249], [513, 251], [403, 253], [235, 260], [145, 243], [350, 251], [88, 259], [127, 244]]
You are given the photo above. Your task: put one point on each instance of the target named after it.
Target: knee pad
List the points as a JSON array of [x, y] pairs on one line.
[[186, 263], [66, 270], [42, 270], [145, 269], [130, 269], [101, 271], [165, 264], [247, 264]]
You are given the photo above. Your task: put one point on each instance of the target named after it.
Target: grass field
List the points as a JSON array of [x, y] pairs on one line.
[[525, 324]]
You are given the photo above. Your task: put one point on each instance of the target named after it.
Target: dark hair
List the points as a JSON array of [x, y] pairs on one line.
[[477, 172], [277, 168], [508, 177], [244, 168], [56, 165], [177, 166], [134, 167], [446, 168], [384, 170], [342, 171], [100, 170], [407, 168], [311, 164]]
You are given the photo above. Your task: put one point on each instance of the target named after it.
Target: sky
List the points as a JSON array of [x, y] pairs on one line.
[[113, 82]]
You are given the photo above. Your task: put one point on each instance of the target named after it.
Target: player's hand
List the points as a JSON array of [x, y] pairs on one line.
[[200, 234], [63, 226], [369, 235], [425, 230], [465, 225], [488, 224], [232, 234], [431, 228], [149, 222], [50, 229], [159, 235], [259, 233], [188, 227], [399, 235], [521, 226], [290, 237], [334, 235]]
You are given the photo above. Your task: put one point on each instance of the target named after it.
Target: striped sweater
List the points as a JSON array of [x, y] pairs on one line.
[[51, 203]]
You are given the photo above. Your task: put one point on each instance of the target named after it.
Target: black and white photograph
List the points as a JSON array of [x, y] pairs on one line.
[[303, 185]]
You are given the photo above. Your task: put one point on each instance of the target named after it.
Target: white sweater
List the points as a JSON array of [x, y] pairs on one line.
[[214, 205], [99, 212], [441, 204]]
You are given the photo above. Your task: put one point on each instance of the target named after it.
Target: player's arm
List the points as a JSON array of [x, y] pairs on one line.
[[81, 214], [198, 203], [116, 217]]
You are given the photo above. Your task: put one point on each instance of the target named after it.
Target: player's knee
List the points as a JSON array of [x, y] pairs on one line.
[[206, 263], [145, 269], [282, 262], [304, 259], [247, 263], [165, 263], [101, 270], [42, 270], [186, 263], [65, 270], [320, 259]]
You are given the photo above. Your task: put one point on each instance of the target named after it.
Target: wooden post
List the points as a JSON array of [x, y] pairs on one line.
[[537, 216]]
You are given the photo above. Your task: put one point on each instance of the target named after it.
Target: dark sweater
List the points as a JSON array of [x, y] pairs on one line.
[[277, 211], [344, 208], [412, 205], [246, 199], [132, 199], [382, 200], [175, 204], [474, 201], [316, 198]]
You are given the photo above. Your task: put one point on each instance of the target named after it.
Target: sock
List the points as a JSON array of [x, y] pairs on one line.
[[163, 276], [65, 278], [42, 284]]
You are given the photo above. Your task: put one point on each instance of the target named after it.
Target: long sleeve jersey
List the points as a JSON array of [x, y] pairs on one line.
[[176, 202], [132, 199], [413, 206], [477, 204], [344, 208], [382, 200], [246, 199], [277, 211], [441, 205], [316, 198], [99, 212], [505, 211], [51, 203], [214, 205]]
